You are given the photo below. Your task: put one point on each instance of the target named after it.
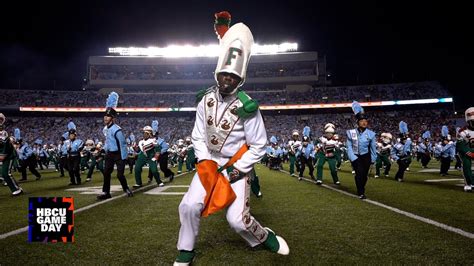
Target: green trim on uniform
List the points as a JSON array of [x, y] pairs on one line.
[[249, 106], [462, 147], [201, 93], [382, 160], [292, 163], [322, 159], [185, 256], [146, 158], [190, 160]]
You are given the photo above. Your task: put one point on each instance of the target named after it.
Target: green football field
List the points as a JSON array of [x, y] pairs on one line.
[[322, 224]]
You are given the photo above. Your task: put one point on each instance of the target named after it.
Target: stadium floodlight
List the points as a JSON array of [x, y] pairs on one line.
[[384, 103], [446, 100], [274, 48], [211, 50], [422, 101], [169, 51]]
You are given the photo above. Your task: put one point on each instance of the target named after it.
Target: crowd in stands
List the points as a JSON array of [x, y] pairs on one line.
[[266, 95], [50, 129], [380, 121]]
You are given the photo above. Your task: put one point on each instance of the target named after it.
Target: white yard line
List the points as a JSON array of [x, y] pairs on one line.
[[25, 229], [402, 212], [443, 180]]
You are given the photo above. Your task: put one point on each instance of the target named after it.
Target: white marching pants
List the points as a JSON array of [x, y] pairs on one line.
[[238, 214]]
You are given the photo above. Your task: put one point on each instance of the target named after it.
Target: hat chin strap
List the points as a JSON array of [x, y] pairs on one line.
[[470, 124], [228, 93]]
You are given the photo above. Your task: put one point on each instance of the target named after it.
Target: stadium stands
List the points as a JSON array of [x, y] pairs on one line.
[[172, 128], [266, 95]]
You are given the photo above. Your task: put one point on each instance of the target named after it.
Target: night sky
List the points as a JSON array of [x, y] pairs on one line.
[[365, 42]]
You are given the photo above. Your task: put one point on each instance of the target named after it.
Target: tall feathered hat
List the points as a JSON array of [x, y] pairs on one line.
[[154, 126], [132, 138], [65, 136], [221, 23], [111, 104], [273, 140], [445, 133], [403, 126], [71, 127], [17, 135], [306, 133], [235, 50], [358, 111], [295, 132], [2, 121], [426, 135]]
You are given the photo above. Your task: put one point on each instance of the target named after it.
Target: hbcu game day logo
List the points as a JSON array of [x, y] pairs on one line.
[[51, 219]]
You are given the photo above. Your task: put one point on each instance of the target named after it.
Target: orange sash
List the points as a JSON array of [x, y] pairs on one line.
[[219, 193]]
